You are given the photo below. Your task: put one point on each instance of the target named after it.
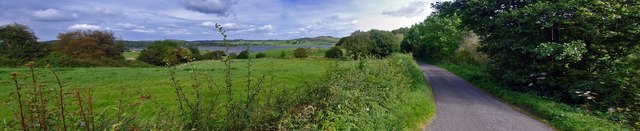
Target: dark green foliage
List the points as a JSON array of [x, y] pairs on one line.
[[261, 55], [385, 43], [402, 31], [213, 55], [165, 53], [18, 45], [195, 52], [300, 53], [283, 54], [233, 55], [437, 37], [562, 49], [334, 52], [376, 43], [244, 54], [358, 44]]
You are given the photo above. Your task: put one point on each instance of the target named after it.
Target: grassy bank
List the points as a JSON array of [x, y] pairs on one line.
[[561, 116], [374, 94]]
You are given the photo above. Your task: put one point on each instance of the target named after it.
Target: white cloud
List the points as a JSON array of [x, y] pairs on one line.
[[144, 30], [84, 27], [412, 9], [53, 15], [219, 7], [130, 26]]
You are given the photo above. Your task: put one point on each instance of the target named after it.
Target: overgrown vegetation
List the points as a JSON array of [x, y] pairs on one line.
[[161, 53], [581, 53], [386, 93], [373, 43]]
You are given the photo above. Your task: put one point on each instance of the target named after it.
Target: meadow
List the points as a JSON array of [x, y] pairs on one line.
[[149, 96], [155, 83]]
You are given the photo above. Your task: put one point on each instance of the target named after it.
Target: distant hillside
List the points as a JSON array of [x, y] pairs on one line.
[[330, 39], [307, 41]]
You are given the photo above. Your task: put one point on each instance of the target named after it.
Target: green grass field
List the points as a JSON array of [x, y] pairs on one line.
[[155, 81], [131, 55]]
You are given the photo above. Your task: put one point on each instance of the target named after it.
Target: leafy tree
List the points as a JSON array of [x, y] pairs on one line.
[[282, 54], [385, 43], [195, 52], [233, 55], [214, 55], [89, 45], [261, 55], [359, 44], [19, 44], [244, 54], [300, 53], [437, 37], [401, 31], [165, 53], [334, 52], [558, 48]]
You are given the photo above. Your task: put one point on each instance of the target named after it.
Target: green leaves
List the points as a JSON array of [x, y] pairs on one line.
[[570, 52]]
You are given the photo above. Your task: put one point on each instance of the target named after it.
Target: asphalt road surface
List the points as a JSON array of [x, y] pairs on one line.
[[462, 107]]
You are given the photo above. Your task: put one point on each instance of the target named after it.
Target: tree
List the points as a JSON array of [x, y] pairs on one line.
[[261, 55], [385, 43], [165, 53], [195, 52], [300, 53], [559, 47], [358, 44], [90, 45], [401, 31], [214, 55], [437, 37], [334, 52], [244, 54], [18, 43]]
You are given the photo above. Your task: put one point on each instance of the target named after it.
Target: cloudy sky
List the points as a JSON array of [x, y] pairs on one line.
[[194, 19]]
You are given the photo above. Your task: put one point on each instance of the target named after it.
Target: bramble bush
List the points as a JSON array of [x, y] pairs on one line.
[[300, 53]]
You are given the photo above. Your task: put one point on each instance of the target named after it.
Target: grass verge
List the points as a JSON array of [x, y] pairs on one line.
[[560, 115]]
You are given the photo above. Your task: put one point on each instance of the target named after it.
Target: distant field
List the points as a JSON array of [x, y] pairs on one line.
[[315, 52], [155, 81], [131, 55]]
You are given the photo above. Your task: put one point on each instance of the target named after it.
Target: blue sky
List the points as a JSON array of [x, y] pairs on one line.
[[194, 19]]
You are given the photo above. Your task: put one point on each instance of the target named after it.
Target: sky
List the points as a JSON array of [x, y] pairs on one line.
[[195, 19]]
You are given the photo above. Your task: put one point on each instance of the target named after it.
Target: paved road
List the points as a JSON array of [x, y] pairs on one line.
[[462, 107]]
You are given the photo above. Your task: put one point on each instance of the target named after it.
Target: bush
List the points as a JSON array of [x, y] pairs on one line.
[[244, 54], [233, 55], [372, 94], [437, 37], [165, 52], [90, 45], [300, 53], [261, 55], [283, 54], [18, 45], [214, 55], [334, 52]]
